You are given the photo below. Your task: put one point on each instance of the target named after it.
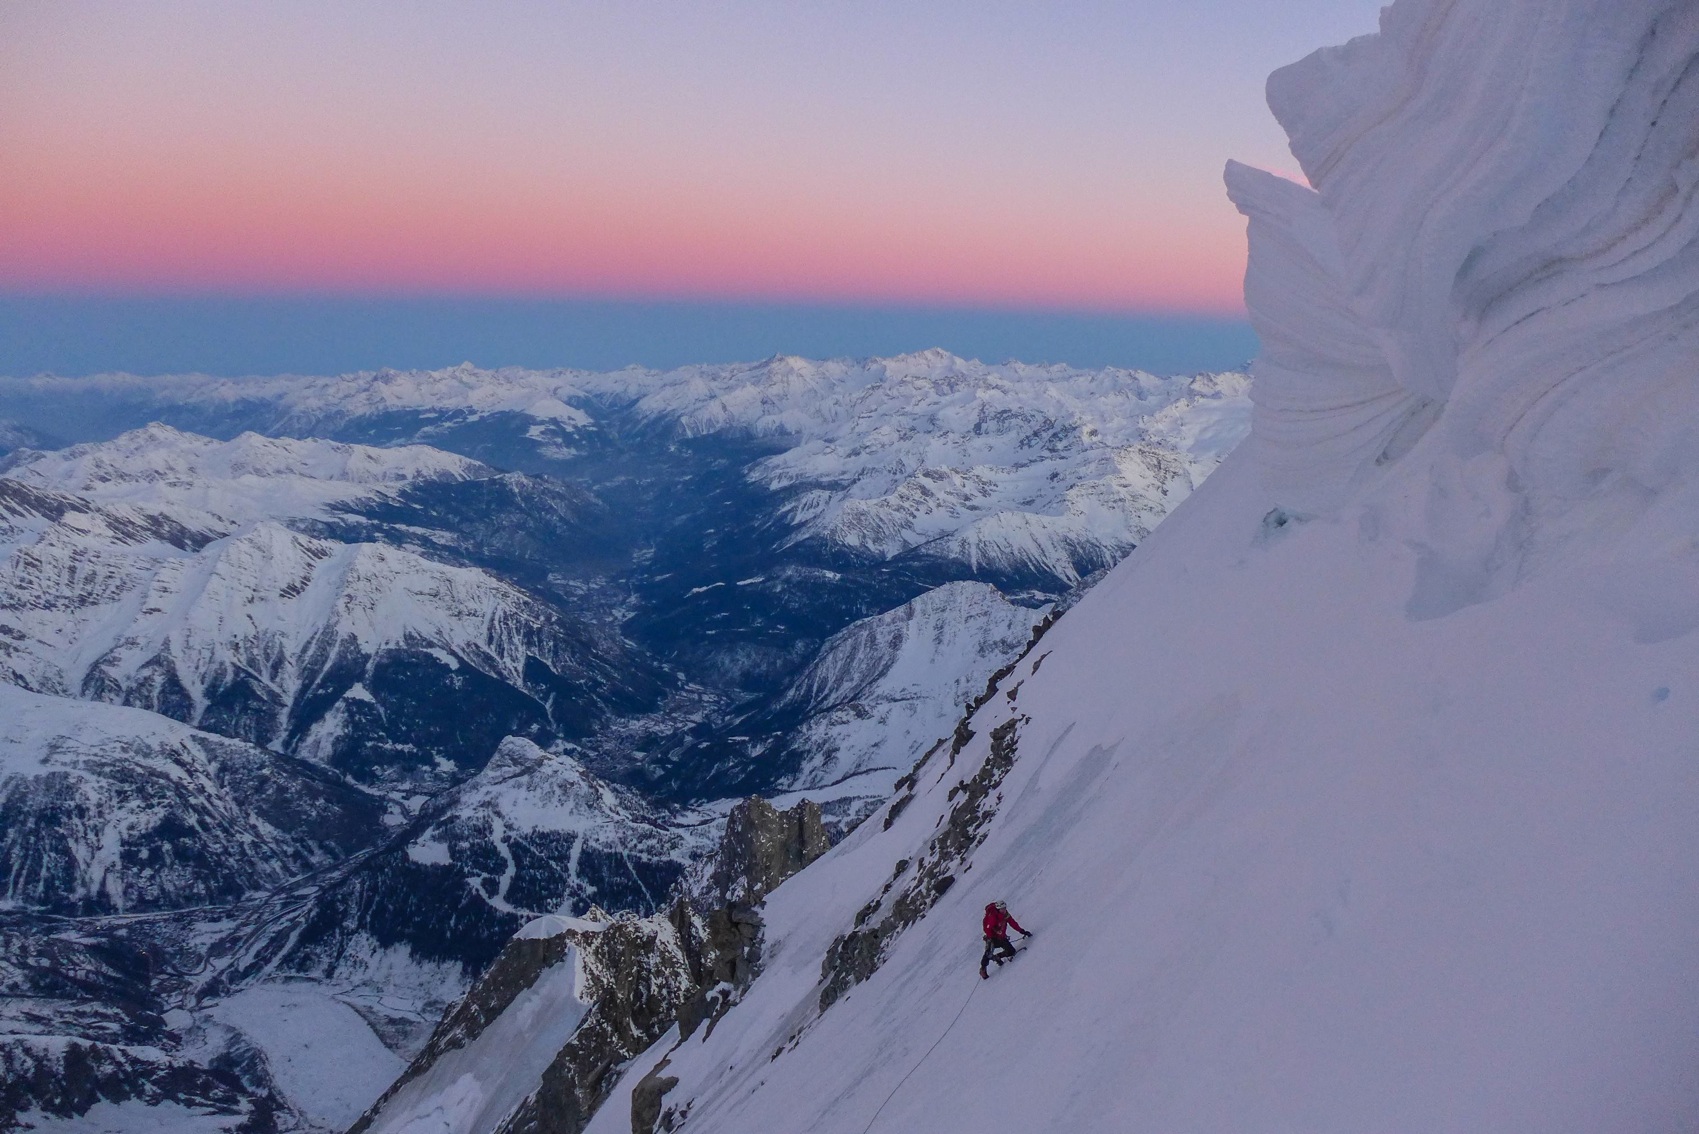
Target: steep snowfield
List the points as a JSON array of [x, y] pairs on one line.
[[456, 1095], [883, 691], [1361, 796]]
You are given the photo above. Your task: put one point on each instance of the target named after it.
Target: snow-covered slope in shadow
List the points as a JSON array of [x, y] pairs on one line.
[[887, 688], [1360, 797]]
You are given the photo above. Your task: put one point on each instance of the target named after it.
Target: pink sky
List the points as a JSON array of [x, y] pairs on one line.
[[1006, 155]]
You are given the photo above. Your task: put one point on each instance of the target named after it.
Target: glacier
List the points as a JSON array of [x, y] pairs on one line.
[[1360, 795]]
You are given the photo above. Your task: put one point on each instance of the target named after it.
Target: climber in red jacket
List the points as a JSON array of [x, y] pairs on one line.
[[997, 924]]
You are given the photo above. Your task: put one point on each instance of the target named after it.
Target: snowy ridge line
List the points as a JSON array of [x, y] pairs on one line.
[[783, 395]]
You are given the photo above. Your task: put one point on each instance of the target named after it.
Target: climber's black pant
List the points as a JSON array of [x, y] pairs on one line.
[[994, 945]]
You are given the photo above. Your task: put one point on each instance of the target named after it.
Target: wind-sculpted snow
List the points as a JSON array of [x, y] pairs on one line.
[[1360, 796], [1535, 274]]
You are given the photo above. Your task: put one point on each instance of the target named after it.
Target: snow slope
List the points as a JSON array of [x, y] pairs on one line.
[[455, 1096], [1360, 797]]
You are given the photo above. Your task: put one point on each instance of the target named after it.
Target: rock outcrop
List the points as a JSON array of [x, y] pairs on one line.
[[762, 847], [629, 980]]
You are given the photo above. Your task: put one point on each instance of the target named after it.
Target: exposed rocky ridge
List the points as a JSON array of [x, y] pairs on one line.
[[762, 846], [640, 976], [637, 978], [856, 955]]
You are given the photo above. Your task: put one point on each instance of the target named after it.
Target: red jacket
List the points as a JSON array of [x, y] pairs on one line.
[[998, 922]]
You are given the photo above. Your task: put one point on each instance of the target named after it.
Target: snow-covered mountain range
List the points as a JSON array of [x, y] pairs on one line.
[[334, 683], [1043, 469], [1360, 796], [207, 609]]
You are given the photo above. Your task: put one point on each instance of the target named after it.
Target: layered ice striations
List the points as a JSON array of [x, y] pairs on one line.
[[1500, 244]]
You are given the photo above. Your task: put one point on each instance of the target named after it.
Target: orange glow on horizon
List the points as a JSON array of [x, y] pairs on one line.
[[263, 220], [249, 234], [764, 153]]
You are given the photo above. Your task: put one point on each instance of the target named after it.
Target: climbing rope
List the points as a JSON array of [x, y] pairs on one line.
[[971, 990]]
